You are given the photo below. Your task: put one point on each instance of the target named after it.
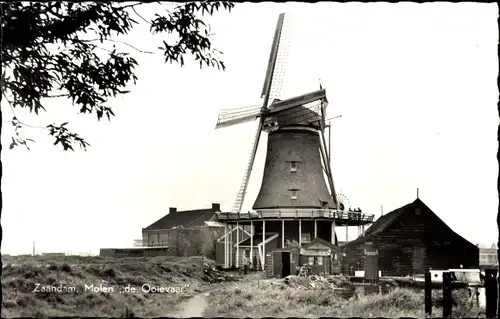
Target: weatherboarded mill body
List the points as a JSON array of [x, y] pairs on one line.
[[406, 241], [297, 203]]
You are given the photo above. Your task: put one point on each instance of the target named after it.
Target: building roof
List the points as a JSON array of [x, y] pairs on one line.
[[320, 241], [386, 221], [187, 218], [299, 115]]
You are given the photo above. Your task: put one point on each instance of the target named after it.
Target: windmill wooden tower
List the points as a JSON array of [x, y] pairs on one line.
[[294, 186]]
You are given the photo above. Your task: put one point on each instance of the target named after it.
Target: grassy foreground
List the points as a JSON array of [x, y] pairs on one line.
[[182, 276], [267, 299]]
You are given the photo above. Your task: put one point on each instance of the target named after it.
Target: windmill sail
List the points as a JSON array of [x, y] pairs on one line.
[[230, 117], [281, 59], [246, 177], [273, 82], [275, 73]]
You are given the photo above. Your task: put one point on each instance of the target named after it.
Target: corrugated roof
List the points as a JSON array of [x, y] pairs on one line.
[[187, 218]]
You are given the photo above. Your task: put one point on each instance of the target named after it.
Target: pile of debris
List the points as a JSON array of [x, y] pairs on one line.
[[318, 281], [212, 275]]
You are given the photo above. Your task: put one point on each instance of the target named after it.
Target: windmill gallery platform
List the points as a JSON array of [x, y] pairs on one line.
[[275, 229]]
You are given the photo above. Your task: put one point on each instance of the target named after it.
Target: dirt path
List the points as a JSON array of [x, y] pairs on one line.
[[196, 305], [193, 307]]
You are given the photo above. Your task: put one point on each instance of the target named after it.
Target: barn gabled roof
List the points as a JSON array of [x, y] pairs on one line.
[[187, 218], [386, 221]]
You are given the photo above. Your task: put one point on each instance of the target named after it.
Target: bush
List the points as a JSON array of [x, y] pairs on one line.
[[66, 268]]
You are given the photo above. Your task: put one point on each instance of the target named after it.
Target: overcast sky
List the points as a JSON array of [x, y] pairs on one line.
[[415, 85]]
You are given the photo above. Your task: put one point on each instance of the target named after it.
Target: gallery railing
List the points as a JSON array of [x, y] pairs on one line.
[[352, 215]]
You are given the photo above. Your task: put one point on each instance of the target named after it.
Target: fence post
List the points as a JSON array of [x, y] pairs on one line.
[[447, 300], [428, 293], [490, 287]]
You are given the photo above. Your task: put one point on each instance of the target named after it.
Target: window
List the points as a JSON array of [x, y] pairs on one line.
[[247, 253], [294, 195], [293, 167], [305, 237], [315, 261], [311, 261], [335, 256]]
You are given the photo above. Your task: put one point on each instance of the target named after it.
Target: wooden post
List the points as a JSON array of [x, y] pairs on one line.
[[237, 244], [447, 299], [428, 293], [491, 291], [315, 228], [230, 248], [332, 239], [282, 233], [251, 244], [232, 245], [347, 232], [263, 245], [225, 246], [300, 233]]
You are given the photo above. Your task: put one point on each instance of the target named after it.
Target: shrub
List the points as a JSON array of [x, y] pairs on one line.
[[66, 268]]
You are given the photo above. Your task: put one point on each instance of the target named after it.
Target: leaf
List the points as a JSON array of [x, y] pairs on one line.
[[13, 144]]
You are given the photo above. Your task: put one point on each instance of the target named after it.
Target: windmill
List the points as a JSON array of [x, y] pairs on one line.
[[296, 135]]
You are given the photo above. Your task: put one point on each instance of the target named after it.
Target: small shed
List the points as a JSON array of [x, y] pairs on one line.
[[282, 262], [321, 256]]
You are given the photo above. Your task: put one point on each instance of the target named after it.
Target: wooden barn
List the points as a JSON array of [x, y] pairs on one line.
[[406, 241]]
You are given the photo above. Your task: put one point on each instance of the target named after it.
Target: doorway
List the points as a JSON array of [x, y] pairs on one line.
[[285, 259]]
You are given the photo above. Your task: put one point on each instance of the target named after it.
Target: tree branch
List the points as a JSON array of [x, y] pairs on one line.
[[17, 119], [123, 42], [148, 22]]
